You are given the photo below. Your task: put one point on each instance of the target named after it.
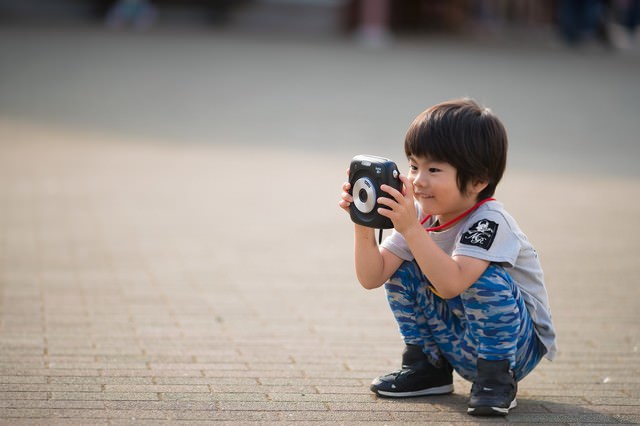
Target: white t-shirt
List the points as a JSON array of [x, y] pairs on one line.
[[490, 233]]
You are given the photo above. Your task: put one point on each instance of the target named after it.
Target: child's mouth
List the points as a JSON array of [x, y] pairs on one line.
[[420, 195]]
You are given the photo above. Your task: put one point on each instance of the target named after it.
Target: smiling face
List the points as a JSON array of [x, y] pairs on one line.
[[464, 135], [435, 187]]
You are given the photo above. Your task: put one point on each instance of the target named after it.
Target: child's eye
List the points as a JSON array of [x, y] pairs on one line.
[[433, 170], [413, 168]]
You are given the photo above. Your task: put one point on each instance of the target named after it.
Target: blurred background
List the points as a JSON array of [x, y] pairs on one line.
[[373, 21], [329, 73]]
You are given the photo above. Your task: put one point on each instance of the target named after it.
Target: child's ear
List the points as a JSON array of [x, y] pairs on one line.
[[478, 186]]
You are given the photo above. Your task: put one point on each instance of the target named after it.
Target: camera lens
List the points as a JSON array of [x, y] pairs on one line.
[[364, 196]]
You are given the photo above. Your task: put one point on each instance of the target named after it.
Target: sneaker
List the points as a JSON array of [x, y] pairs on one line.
[[494, 391], [417, 377]]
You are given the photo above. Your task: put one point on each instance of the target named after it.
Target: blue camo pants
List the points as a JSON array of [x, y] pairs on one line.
[[489, 320]]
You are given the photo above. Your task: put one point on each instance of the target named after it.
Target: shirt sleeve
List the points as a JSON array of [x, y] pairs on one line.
[[396, 244], [488, 236]]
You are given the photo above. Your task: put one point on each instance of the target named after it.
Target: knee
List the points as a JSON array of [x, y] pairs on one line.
[[407, 272], [407, 279], [494, 285]]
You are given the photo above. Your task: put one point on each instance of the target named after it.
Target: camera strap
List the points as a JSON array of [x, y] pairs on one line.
[[454, 220]]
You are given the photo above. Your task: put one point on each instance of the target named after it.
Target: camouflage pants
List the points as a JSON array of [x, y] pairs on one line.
[[488, 320]]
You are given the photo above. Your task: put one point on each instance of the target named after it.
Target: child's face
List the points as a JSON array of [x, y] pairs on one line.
[[435, 187]]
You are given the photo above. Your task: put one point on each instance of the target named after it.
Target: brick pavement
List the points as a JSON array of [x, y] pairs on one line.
[[146, 282]]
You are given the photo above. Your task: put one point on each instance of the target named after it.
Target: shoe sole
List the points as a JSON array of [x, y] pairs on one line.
[[439, 390], [491, 411]]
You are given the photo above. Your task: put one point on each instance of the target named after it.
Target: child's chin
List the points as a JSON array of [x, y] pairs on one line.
[[427, 204]]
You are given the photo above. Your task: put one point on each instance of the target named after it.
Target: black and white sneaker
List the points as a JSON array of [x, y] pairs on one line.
[[417, 377], [494, 391]]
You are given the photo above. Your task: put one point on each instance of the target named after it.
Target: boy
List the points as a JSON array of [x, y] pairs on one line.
[[462, 280]]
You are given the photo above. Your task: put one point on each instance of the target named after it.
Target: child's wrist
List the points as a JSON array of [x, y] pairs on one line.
[[364, 233], [363, 230], [412, 231]]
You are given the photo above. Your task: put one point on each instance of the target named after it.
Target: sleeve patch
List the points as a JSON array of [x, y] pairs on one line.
[[481, 234]]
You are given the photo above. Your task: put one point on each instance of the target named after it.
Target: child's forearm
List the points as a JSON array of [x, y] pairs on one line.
[[449, 276], [438, 266], [369, 263]]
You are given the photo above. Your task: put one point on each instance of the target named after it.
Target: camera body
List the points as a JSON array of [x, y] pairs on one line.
[[366, 174]]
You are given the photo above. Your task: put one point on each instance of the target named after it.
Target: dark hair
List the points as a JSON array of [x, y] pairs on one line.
[[467, 136]]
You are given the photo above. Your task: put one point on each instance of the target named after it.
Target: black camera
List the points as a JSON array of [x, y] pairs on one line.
[[366, 174]]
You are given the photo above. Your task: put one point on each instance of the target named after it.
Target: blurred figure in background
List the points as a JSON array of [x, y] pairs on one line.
[[622, 23], [373, 23], [141, 14], [580, 21], [612, 22]]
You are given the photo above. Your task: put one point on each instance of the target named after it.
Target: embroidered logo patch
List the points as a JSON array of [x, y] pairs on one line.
[[481, 234]]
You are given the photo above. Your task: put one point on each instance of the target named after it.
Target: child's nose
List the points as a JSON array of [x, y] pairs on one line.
[[419, 180]]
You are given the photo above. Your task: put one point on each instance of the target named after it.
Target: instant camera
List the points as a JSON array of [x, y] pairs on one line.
[[366, 174]]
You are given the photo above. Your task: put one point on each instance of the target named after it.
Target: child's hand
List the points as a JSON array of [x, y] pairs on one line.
[[346, 198], [401, 208]]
